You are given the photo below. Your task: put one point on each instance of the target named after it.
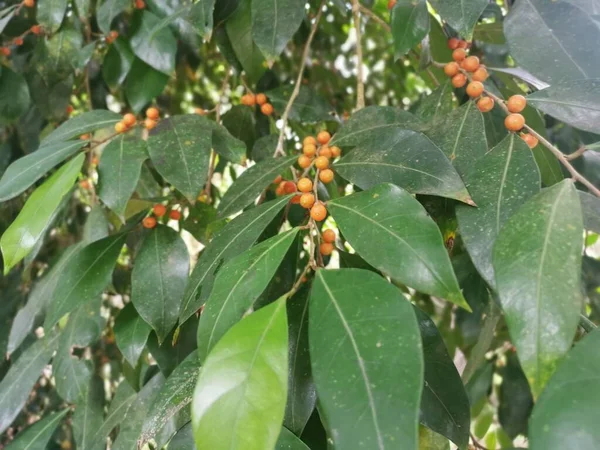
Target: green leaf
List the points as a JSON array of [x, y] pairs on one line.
[[143, 84], [461, 15], [6, 14], [118, 62], [537, 260], [437, 104], [239, 400], [181, 154], [108, 11], [225, 144], [96, 225], [23, 234], [240, 121], [288, 441], [237, 236], [22, 376], [590, 207], [131, 334], [51, 99], [50, 14], [36, 436], [354, 363], [117, 413], [175, 394], [155, 49], [14, 95], [251, 184], [87, 418], [274, 23], [566, 412], [237, 286], [53, 58], [573, 102], [409, 160], [201, 17], [84, 277], [392, 232], [514, 397], [410, 24], [500, 182], [25, 171], [445, 407], [557, 50], [159, 277], [184, 439], [82, 124], [119, 171], [308, 107], [492, 33]]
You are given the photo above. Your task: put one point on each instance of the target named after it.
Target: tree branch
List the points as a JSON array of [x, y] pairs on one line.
[[367, 12], [360, 82]]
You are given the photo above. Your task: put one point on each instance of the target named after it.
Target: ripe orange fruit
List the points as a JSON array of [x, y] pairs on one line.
[[474, 89], [451, 69], [280, 189], [326, 248], [326, 176], [391, 4], [305, 185], [114, 34], [85, 184], [149, 222], [309, 150], [277, 179], [18, 41], [529, 139], [295, 199], [307, 200], [453, 43], [325, 151], [201, 111], [329, 236], [149, 124], [152, 113], [289, 187], [459, 54], [335, 151], [471, 64], [69, 109], [485, 104], [323, 137], [174, 215], [5, 51], [36, 29], [309, 140], [129, 119], [514, 122], [304, 161], [516, 103], [159, 210], [266, 109], [463, 44], [249, 100], [459, 80], [481, 74], [29, 3], [120, 127], [261, 99], [139, 4], [318, 212], [322, 162]]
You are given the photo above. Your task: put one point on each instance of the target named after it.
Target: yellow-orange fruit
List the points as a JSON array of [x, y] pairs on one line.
[[266, 109], [309, 150], [277, 179], [474, 89], [149, 222], [120, 127], [174, 215], [307, 200], [129, 119], [152, 113], [453, 43], [261, 99], [459, 54], [335, 151], [463, 44], [289, 187], [280, 189], [325, 151], [305, 185], [322, 162], [459, 80], [304, 161], [318, 212], [295, 199], [485, 104], [323, 137], [514, 122], [149, 124], [309, 140], [451, 69], [326, 248], [329, 236], [480, 74], [516, 103], [36, 29], [471, 64], [326, 176], [391, 4], [529, 139], [29, 3]]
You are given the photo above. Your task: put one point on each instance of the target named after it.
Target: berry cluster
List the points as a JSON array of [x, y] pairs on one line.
[[112, 36], [159, 210], [130, 121], [18, 41], [259, 99]]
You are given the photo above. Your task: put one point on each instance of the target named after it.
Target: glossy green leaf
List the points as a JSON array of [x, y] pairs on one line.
[[6, 14], [288, 441], [108, 10], [143, 84], [237, 236], [14, 95], [574, 102], [590, 207], [514, 397], [566, 412], [27, 170], [155, 49], [175, 394], [84, 277], [537, 261], [82, 124], [225, 144], [462, 15], [274, 22], [410, 24], [308, 106], [119, 171], [21, 377], [240, 121], [563, 45], [36, 436], [492, 33], [237, 286], [53, 57], [158, 279], [445, 407], [239, 399], [251, 183], [181, 154], [184, 439], [50, 14], [118, 411], [29, 226], [357, 366], [201, 17], [131, 334], [409, 160], [117, 63], [500, 183], [393, 233], [437, 104]]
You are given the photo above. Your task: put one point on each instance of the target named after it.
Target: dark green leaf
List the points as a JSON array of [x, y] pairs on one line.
[[176, 347], [430, 440], [201, 17], [184, 439], [143, 84], [492, 33], [117, 63], [392, 231], [461, 15], [369, 378], [264, 147], [308, 106], [36, 436], [274, 22], [288, 441], [237, 286], [50, 14], [590, 206], [158, 279], [51, 99], [437, 104], [14, 95], [108, 11], [514, 396], [202, 222], [53, 58], [6, 14], [537, 260], [239, 400], [131, 334], [240, 121], [117, 413], [410, 24], [82, 124], [155, 49], [226, 145]]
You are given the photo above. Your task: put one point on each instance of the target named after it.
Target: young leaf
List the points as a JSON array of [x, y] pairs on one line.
[[354, 362], [410, 24], [288, 441], [237, 236], [36, 436], [50, 14], [23, 234], [155, 49], [159, 277], [537, 261], [500, 183], [461, 15], [131, 334], [393, 233], [237, 286], [82, 124], [240, 396]]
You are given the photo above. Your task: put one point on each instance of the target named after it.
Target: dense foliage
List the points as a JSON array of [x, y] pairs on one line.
[[271, 224]]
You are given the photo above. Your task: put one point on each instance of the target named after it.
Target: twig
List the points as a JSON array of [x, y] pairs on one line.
[[360, 82], [577, 153], [367, 12], [298, 282], [476, 443], [586, 324], [296, 91]]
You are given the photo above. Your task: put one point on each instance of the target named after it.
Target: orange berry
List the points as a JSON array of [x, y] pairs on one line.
[[459, 54], [309, 140], [139, 4], [326, 248], [174, 215], [325, 151], [280, 189], [459, 80], [84, 137], [149, 222], [322, 162], [480, 74], [529, 139], [474, 89], [451, 69], [514, 122], [114, 34], [326, 176], [69, 109], [201, 111], [516, 103], [277, 179], [329, 236], [85, 184], [295, 199], [453, 43], [129, 119], [463, 44], [309, 150], [323, 137], [305, 185], [318, 212], [304, 161], [391, 4], [152, 113], [36, 29], [18, 41], [120, 127], [335, 151], [471, 64], [159, 210], [5, 51], [307, 200], [249, 100], [261, 99], [149, 124], [289, 187], [29, 3], [266, 109], [95, 161], [485, 104]]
